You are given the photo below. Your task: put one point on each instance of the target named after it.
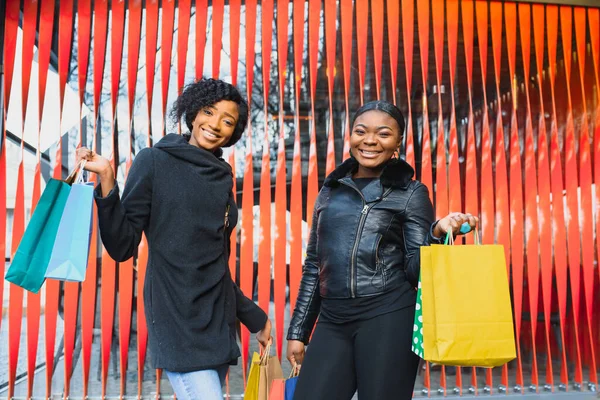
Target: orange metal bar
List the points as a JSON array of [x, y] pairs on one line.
[[423, 24], [264, 244], [330, 38], [585, 188], [280, 243], [408, 20], [556, 182], [296, 189], [543, 175], [218, 9], [247, 251], [571, 185], [362, 25]]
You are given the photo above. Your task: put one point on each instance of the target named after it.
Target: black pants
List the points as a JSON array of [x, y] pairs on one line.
[[372, 356]]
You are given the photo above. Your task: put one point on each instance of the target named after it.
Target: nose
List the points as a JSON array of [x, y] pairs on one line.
[[214, 123], [370, 139]]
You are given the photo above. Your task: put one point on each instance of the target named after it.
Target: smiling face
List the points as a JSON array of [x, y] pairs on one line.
[[214, 125], [375, 137]]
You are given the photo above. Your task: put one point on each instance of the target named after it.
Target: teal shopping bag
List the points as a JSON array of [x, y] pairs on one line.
[[69, 258], [28, 265]]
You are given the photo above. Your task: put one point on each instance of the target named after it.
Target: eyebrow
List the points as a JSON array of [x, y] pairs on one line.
[[378, 128], [226, 113]]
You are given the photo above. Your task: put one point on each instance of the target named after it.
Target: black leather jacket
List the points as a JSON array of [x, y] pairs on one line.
[[363, 243]]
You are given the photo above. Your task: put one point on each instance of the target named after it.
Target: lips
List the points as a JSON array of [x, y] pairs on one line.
[[210, 135], [369, 153]]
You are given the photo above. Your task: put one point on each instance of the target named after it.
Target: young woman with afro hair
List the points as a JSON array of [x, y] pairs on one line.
[[179, 193]]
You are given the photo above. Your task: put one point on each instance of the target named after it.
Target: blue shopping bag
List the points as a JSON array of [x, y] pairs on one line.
[[29, 263], [290, 387], [290, 384], [71, 246]]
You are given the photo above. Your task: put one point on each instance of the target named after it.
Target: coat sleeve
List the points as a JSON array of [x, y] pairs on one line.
[[249, 314], [417, 231], [122, 220], [308, 303]]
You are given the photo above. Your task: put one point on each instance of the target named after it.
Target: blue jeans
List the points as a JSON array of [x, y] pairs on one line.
[[198, 385]]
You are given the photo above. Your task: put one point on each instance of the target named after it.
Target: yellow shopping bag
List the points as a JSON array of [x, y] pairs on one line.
[[263, 371], [251, 392], [465, 306]]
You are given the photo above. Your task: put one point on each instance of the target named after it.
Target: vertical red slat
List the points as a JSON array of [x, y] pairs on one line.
[[88, 302], [531, 193], [45, 29], [264, 245], [377, 8], [423, 22], [330, 39], [408, 21], [100, 29], [296, 189], [441, 173], [15, 300], [166, 48], [346, 10], [502, 190], [556, 183], [247, 238], [234, 26], [454, 195], [151, 42], [487, 190], [10, 42], [33, 299], [585, 187], [84, 36], [88, 287], [201, 20], [64, 46], [183, 32], [362, 26], [218, 9], [543, 174], [281, 180], [30, 8], [515, 190], [441, 170], [393, 22], [71, 289], [11, 21], [594, 20], [234, 37], [117, 34], [571, 185], [133, 50], [314, 17], [426, 173], [471, 185]]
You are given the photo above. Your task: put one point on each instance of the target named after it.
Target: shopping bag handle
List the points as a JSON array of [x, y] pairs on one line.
[[76, 175], [295, 371], [264, 357], [450, 237]]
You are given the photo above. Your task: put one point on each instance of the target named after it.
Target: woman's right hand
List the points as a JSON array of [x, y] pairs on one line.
[[295, 353], [94, 162], [99, 165]]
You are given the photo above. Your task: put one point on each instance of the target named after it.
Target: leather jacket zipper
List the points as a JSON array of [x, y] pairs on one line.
[[361, 223], [377, 252]]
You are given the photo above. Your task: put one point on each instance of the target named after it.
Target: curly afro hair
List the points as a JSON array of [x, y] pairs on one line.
[[204, 93]]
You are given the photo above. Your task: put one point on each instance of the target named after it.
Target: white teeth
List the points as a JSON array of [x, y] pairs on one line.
[[370, 153]]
